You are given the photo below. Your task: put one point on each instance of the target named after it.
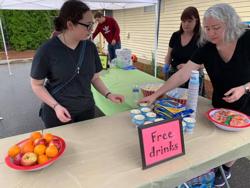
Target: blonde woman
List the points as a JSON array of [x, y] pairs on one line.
[[226, 58]]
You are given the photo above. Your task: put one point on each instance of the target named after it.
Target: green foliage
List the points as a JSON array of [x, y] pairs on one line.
[[27, 29]]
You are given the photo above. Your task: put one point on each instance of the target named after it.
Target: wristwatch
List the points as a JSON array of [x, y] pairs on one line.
[[247, 88]]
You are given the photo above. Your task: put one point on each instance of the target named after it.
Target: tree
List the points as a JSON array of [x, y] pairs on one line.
[[27, 29]]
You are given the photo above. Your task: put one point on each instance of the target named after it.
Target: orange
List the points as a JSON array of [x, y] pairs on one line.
[[51, 151], [35, 135], [40, 149], [27, 147], [13, 151], [28, 141], [48, 137], [42, 159]]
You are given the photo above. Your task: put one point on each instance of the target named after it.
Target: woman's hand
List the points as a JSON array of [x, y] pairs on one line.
[[234, 94], [149, 99], [116, 98], [39, 89], [62, 113], [180, 66]]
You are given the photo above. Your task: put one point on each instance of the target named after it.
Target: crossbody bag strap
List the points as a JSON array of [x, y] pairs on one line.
[[78, 66]]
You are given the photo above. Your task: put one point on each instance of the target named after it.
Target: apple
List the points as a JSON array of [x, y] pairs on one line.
[[17, 159], [41, 141], [56, 142], [28, 159]]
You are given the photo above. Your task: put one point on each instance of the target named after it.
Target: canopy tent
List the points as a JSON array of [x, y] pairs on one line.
[[56, 4], [93, 4]]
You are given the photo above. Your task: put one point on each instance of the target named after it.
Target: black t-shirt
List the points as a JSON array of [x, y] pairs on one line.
[[56, 63], [181, 54], [225, 76]]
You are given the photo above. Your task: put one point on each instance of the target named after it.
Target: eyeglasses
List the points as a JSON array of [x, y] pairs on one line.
[[88, 26]]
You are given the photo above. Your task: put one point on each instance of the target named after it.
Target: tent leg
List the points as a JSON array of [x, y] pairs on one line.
[[157, 22], [5, 48]]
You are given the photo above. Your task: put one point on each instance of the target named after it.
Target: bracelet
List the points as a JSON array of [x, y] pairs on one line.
[[247, 88], [107, 94], [54, 106]]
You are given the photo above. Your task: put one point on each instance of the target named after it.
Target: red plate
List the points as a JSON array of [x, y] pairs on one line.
[[9, 160], [210, 115]]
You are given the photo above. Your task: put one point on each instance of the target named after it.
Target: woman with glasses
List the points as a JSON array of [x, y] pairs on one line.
[[64, 68], [183, 42], [226, 57]]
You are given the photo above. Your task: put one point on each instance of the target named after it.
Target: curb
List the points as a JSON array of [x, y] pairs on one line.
[[13, 61]]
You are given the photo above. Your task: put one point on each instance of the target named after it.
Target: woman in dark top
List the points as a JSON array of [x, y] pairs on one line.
[[226, 57], [67, 95], [183, 42]]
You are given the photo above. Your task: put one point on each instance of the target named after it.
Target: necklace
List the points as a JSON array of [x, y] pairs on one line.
[[69, 53]]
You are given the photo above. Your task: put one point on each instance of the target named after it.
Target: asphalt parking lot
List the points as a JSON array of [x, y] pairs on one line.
[[18, 105], [19, 110]]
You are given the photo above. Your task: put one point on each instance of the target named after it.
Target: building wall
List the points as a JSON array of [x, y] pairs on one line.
[[137, 30], [138, 27]]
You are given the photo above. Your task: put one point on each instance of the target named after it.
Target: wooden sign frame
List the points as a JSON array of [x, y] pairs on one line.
[[170, 137]]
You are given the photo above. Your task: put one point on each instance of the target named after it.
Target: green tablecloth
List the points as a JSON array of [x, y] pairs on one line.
[[121, 82]]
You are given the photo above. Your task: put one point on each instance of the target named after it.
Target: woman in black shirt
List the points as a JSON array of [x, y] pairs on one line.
[[226, 57], [183, 42], [67, 92]]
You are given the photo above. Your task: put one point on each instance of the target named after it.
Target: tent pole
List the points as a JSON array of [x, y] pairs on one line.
[[5, 48], [157, 23]]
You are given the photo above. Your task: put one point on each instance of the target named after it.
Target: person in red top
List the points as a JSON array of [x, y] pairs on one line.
[[111, 32]]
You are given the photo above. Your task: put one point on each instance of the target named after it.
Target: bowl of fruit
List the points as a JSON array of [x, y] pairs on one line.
[[227, 119], [36, 152]]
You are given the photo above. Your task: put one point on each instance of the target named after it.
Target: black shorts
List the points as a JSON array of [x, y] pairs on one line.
[[50, 119]]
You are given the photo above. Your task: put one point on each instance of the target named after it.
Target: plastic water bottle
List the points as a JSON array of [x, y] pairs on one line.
[[193, 92], [136, 95]]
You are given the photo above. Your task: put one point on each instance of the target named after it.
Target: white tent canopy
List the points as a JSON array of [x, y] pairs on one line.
[[93, 4], [56, 4]]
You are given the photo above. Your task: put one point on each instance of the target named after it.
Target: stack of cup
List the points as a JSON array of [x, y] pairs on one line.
[[189, 123], [145, 110], [158, 119], [184, 125], [143, 115], [193, 92], [138, 119], [142, 105], [134, 112], [150, 116]]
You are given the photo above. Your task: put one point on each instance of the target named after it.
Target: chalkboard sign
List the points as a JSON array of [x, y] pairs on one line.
[[160, 141]]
